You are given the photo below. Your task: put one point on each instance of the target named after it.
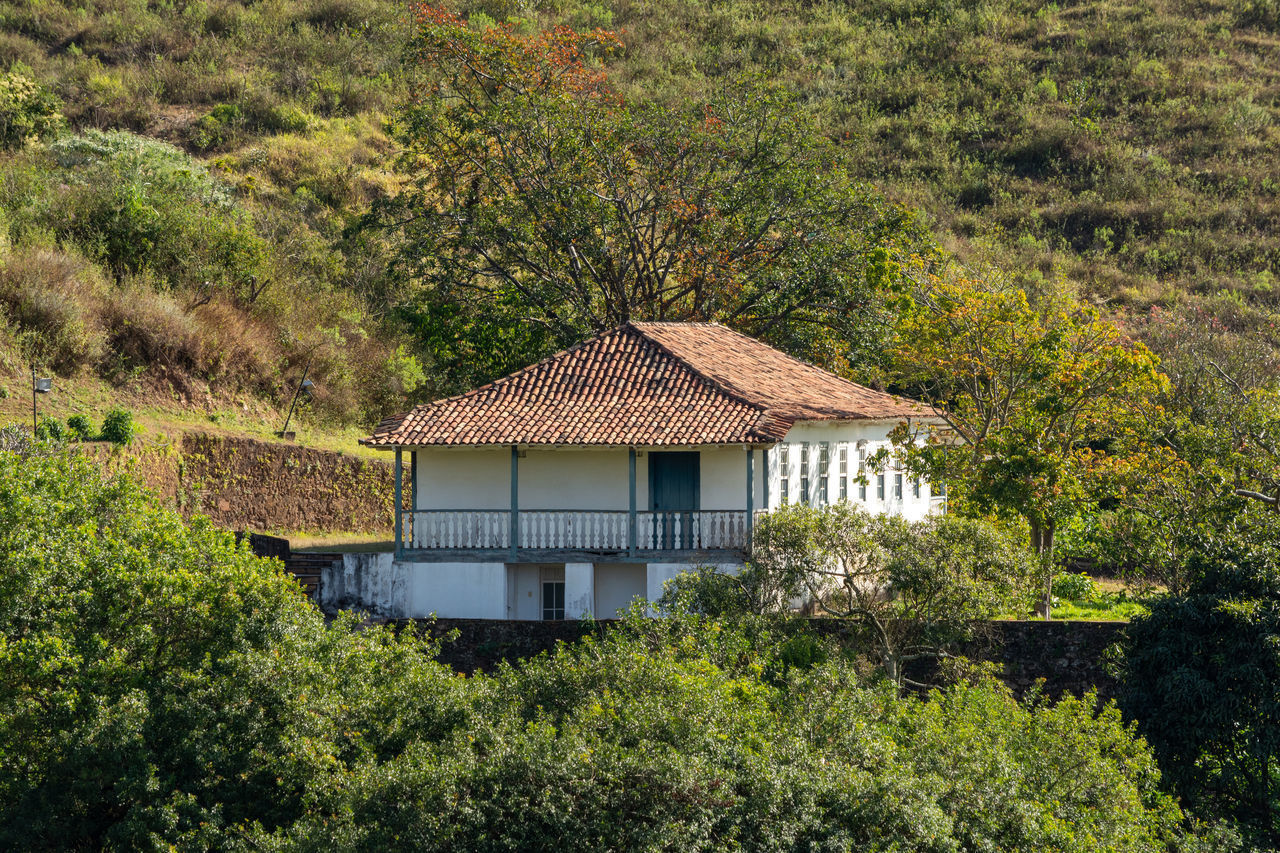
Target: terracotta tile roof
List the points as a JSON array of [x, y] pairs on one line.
[[647, 385]]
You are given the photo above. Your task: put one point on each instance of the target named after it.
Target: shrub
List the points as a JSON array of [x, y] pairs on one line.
[[82, 428], [1074, 587], [118, 427], [27, 111], [51, 429]]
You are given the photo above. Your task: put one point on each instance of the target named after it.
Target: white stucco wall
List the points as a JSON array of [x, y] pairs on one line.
[[570, 478], [616, 586], [456, 590], [873, 435]]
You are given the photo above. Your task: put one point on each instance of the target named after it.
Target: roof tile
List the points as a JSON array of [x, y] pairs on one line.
[[646, 384]]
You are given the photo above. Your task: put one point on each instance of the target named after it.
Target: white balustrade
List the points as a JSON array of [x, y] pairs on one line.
[[576, 530]]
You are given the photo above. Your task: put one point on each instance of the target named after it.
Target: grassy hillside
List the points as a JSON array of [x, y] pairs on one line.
[[1126, 151]]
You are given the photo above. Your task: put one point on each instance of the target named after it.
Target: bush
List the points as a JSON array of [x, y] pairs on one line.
[[1074, 587], [51, 429], [169, 690], [28, 111], [118, 427], [82, 428]]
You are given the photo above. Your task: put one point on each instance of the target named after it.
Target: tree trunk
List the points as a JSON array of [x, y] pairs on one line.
[[1042, 545]]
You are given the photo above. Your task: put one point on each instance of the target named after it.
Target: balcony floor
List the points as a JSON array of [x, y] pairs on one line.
[[568, 555]]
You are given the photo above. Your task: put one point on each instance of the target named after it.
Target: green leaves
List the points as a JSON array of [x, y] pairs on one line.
[[1202, 676], [537, 196]]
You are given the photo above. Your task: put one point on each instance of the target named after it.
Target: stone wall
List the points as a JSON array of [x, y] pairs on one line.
[[246, 484], [1068, 656]]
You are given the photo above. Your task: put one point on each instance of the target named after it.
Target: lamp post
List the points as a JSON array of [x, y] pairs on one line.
[[39, 385], [305, 385]]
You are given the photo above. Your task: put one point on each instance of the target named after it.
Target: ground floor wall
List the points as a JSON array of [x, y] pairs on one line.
[[391, 589]]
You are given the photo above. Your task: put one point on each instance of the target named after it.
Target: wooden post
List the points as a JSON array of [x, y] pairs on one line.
[[515, 501], [631, 517], [399, 519], [751, 492]]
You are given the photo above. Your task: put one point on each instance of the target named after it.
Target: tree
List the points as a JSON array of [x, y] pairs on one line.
[[1034, 399], [1202, 677], [916, 588], [541, 207], [1207, 446]]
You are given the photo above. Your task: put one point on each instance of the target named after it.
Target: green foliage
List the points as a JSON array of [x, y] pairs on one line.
[[536, 195], [28, 111], [1076, 586], [118, 427], [165, 688], [51, 429], [1202, 677], [82, 428], [915, 588]]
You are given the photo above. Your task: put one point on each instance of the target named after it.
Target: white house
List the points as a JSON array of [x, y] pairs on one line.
[[587, 480]]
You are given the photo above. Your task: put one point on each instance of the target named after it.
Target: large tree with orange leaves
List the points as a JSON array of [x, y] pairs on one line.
[[540, 206]]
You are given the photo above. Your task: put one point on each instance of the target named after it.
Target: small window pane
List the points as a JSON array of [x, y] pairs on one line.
[[897, 487], [822, 491], [915, 487], [862, 491], [553, 600], [880, 486], [804, 490]]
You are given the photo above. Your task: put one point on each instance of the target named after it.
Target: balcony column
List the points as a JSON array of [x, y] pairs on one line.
[[751, 492], [399, 514], [515, 501], [631, 507], [764, 463], [413, 499]]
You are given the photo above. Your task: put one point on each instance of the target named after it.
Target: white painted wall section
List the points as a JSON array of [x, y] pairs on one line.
[[457, 590], [617, 585], [579, 590]]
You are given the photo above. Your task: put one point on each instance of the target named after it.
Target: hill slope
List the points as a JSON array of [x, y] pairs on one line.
[[1126, 149]]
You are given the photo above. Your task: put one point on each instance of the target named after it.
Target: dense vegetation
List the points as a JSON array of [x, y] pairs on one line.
[[1122, 152], [162, 687]]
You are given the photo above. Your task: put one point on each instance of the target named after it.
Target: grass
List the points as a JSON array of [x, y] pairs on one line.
[[1108, 600], [346, 543]]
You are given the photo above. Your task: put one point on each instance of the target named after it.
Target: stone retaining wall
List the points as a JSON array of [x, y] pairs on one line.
[[1068, 656], [246, 484]]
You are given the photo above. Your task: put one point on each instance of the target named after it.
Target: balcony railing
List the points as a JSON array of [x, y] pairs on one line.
[[592, 531]]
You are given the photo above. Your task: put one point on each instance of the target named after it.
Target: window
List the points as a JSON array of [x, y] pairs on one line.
[[880, 486], [897, 487], [915, 487], [552, 592], [862, 491], [804, 473], [844, 472], [552, 600], [784, 471], [824, 471]]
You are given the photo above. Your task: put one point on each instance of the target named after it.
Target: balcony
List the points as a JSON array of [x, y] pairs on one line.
[[561, 534]]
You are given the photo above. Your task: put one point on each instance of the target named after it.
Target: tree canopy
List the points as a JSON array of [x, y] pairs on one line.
[[1037, 399], [541, 206], [162, 687]]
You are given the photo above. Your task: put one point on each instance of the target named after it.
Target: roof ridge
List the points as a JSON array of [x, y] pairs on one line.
[[731, 393], [801, 361]]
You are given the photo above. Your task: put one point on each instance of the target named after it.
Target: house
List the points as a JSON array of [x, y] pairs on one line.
[[573, 486]]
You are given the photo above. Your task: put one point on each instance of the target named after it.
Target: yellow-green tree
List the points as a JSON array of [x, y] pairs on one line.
[[1036, 399]]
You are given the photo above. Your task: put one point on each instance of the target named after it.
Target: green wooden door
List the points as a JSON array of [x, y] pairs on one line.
[[674, 495]]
